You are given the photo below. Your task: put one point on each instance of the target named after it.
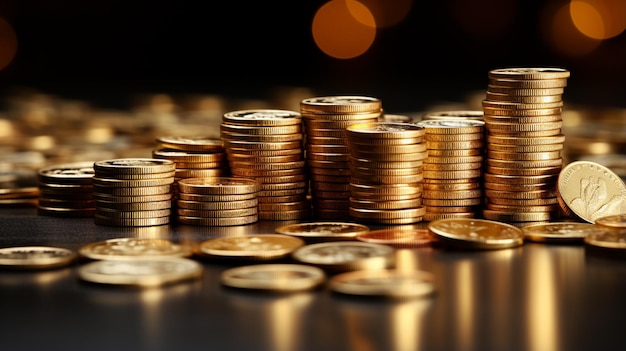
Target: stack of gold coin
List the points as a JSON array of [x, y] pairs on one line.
[[386, 172], [266, 145], [453, 169], [66, 190], [18, 188], [133, 192], [195, 157], [522, 114], [327, 151], [218, 201]]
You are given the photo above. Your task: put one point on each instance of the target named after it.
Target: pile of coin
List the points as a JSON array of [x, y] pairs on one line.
[[266, 145], [218, 201], [133, 192], [453, 169], [66, 190], [327, 150], [522, 114], [386, 172]]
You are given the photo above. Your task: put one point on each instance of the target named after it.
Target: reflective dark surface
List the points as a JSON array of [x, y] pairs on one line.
[[533, 297]]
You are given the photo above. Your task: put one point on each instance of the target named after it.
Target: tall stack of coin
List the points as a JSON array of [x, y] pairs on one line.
[[453, 169], [327, 151], [66, 190], [218, 201], [386, 172], [266, 145], [133, 192], [522, 114]]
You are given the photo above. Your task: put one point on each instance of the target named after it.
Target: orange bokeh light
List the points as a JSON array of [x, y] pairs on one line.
[[562, 35], [343, 29], [599, 19], [388, 13], [8, 43]]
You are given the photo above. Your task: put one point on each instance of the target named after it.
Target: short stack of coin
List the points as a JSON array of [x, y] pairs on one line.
[[195, 157], [453, 169], [133, 192], [218, 201], [66, 190], [327, 150], [266, 145], [386, 172], [522, 114]]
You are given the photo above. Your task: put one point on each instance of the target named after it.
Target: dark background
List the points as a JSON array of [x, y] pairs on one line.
[[105, 51]]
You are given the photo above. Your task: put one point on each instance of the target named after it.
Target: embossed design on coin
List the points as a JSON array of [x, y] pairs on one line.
[[591, 191], [346, 255], [133, 248], [149, 272], [325, 230], [258, 247], [35, 257], [558, 231], [477, 233]]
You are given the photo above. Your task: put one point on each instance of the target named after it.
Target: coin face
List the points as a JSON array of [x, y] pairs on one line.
[[530, 73], [613, 221], [590, 191], [67, 172], [378, 129], [35, 257], [384, 283], [141, 273], [324, 230], [399, 237], [135, 165], [133, 248], [558, 231], [346, 255], [476, 233], [269, 117], [252, 247], [274, 277], [341, 104]]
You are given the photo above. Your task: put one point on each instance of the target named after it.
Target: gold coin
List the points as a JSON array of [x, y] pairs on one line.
[[237, 145], [535, 99], [150, 272], [476, 233], [523, 119], [497, 127], [132, 199], [558, 232], [452, 126], [135, 191], [591, 190], [133, 206], [340, 104], [250, 247], [325, 231], [182, 173], [385, 130], [133, 248], [227, 129], [454, 145], [219, 186], [133, 166], [265, 138], [434, 216], [191, 143], [492, 162], [384, 283], [451, 202], [237, 212], [215, 198], [607, 239], [263, 117], [612, 221], [133, 214], [131, 222], [35, 257], [65, 212], [529, 73], [524, 156], [517, 171], [519, 208], [511, 91], [454, 114], [375, 214], [520, 187], [67, 173], [507, 217], [400, 238], [454, 137], [447, 194], [217, 221], [396, 118], [504, 140], [217, 205], [339, 256], [126, 183], [510, 112], [454, 153], [518, 180], [285, 215], [445, 167], [274, 277], [528, 83], [243, 152], [461, 174], [385, 205]]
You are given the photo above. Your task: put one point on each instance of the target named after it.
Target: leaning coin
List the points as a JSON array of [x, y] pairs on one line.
[[274, 277], [384, 283], [35, 257], [133, 248], [346, 255], [467, 233], [323, 231], [250, 247], [140, 273], [558, 232]]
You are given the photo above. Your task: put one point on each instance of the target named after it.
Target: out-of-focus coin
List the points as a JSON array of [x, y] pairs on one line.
[[589, 191], [470, 233], [399, 237], [558, 232], [610, 240], [35, 257], [250, 247], [324, 230], [191, 143], [274, 277], [612, 221], [133, 248], [141, 273], [67, 173], [384, 283], [346, 255]]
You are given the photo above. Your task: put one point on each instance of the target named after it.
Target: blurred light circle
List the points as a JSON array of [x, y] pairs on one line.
[[388, 13], [562, 35], [599, 19]]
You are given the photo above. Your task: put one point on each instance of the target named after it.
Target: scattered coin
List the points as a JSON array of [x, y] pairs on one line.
[[274, 277], [346, 255], [250, 247], [384, 283], [35, 257], [467, 233], [558, 232], [324, 230], [134, 248]]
